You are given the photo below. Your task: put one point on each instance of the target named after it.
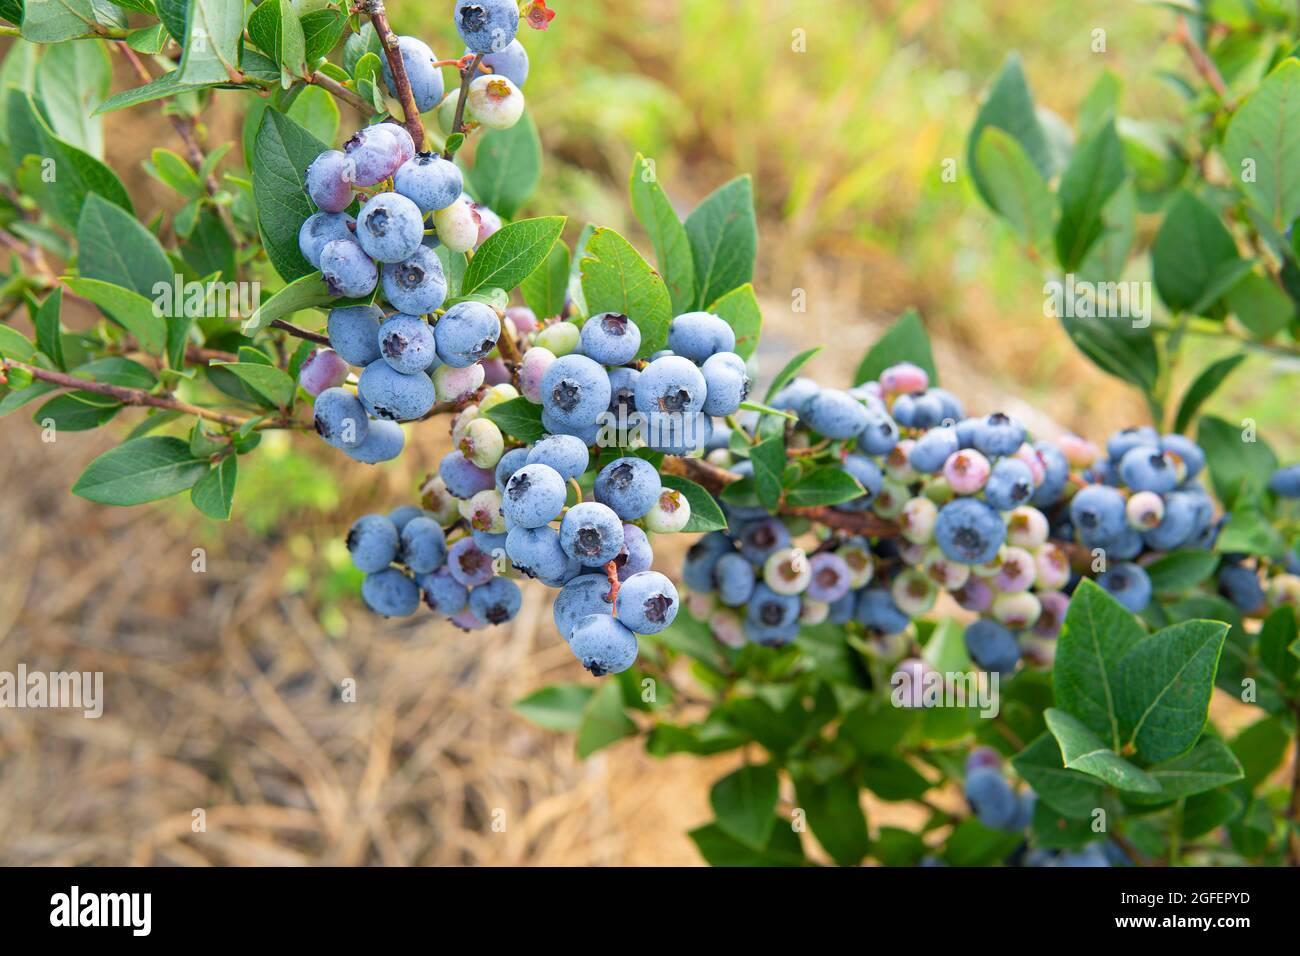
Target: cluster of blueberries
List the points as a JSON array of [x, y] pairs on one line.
[[1006, 527], [416, 353]]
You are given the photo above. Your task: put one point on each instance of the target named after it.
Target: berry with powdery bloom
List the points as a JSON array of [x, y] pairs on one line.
[[495, 102], [323, 369], [904, 378], [326, 181], [320, 229], [974, 595], [1053, 604], [373, 154], [1079, 452], [416, 285], [468, 564], [966, 471], [1011, 484], [969, 531], [646, 603], [1034, 461], [1052, 567], [457, 385], [670, 512], [831, 578], [591, 533], [610, 338], [457, 225], [604, 645], [999, 434]]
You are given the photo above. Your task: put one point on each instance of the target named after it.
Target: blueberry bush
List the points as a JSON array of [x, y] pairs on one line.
[[1018, 635]]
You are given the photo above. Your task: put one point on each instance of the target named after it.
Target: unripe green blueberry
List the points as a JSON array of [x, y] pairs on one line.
[[1039, 651], [813, 612], [939, 491], [456, 384], [496, 395], [483, 443], [898, 462], [861, 566], [447, 114], [438, 502], [890, 499], [1284, 589], [1027, 527], [787, 571], [1017, 611], [495, 102], [912, 553], [560, 338], [719, 457], [483, 512], [1079, 452], [913, 592], [457, 226], [949, 575], [991, 567], [917, 520], [460, 424], [1145, 510], [669, 514]]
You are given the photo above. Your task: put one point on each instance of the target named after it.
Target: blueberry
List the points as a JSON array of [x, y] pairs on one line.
[[760, 539], [469, 564], [1285, 482], [1098, 511], [347, 270], [646, 603], [969, 531], [429, 181], [575, 390], [466, 333], [768, 609], [726, 382], [424, 77], [537, 553], [1129, 584], [933, 449], [875, 608], [697, 335], [487, 26], [588, 433], [406, 343], [672, 385], [927, 410], [1010, 484], [868, 475], [630, 486], [904, 410], [322, 369], [442, 592], [622, 392], [771, 636], [1146, 468], [384, 441], [734, 579], [999, 434], [565, 453], [953, 412], [992, 799], [1179, 524], [416, 285], [991, 646], [405, 145], [591, 533], [373, 154], [510, 462], [1186, 451], [702, 557], [831, 577], [879, 435], [424, 547], [496, 602], [1122, 441], [352, 332], [463, 478], [603, 645], [390, 593], [327, 183], [373, 542], [340, 418], [320, 229], [637, 554], [1056, 475], [389, 394], [673, 433], [585, 595], [510, 62], [795, 394], [390, 227], [457, 385], [401, 517], [1090, 856], [835, 414], [495, 103], [610, 338], [1241, 586], [534, 496], [841, 611]]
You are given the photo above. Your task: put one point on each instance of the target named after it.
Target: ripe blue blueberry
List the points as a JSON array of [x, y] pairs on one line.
[[373, 542], [320, 229], [1285, 482], [424, 547], [727, 383], [424, 77], [622, 392], [835, 414], [384, 442], [406, 343], [927, 410], [511, 62], [880, 433], [390, 227], [463, 478], [326, 181], [1179, 524], [992, 646], [510, 462], [1056, 475], [487, 26], [991, 798], [646, 603], [340, 418], [416, 285], [970, 531], [868, 475], [610, 338], [373, 154], [1146, 468], [401, 517], [496, 602], [387, 393], [769, 609], [1010, 484], [673, 385], [575, 390], [702, 557], [1240, 585], [537, 553], [534, 496], [352, 333], [933, 449], [466, 333], [469, 564], [585, 595], [603, 645], [390, 593], [565, 453], [999, 435], [1186, 451], [630, 486], [442, 592], [347, 270], [588, 433], [673, 433], [876, 610], [831, 577], [1097, 512], [637, 554], [734, 579], [1120, 442], [794, 395], [761, 539], [429, 181], [697, 335], [591, 533], [1129, 584]]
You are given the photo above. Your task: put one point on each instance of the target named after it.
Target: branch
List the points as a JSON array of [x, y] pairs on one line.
[[467, 74], [397, 66], [294, 330], [341, 92], [1202, 62]]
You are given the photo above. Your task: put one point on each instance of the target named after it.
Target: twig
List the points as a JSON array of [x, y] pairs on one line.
[[611, 575], [341, 92], [294, 330], [507, 345], [397, 66], [1201, 62], [467, 75]]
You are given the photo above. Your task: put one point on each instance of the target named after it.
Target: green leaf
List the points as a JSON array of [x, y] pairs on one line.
[[77, 411], [1117, 348], [769, 465], [724, 240], [616, 279], [308, 292], [1260, 748], [174, 14], [1068, 792], [1083, 750], [720, 849], [790, 371], [1191, 245], [835, 817], [1016, 189], [150, 40], [705, 513], [49, 333], [267, 380], [317, 112], [1181, 570], [547, 286], [1260, 305], [281, 154], [893, 778], [1264, 139], [1097, 633], [115, 370], [1095, 172], [213, 31], [510, 254], [113, 246], [739, 309], [132, 310], [15, 345], [1237, 466], [1208, 765], [667, 235], [140, 470], [1164, 687], [603, 720], [518, 418], [1009, 106], [172, 170], [904, 341], [823, 486], [71, 81], [52, 21], [321, 32], [507, 167], [559, 707], [971, 843], [214, 493], [744, 803], [1205, 385], [1275, 639], [169, 84]]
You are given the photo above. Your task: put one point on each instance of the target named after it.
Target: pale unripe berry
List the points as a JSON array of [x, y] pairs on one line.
[[497, 395], [1017, 611], [813, 612], [438, 501], [1079, 452], [323, 369], [904, 378], [561, 338], [457, 226], [669, 514], [966, 471], [1145, 510], [483, 443], [1017, 572], [787, 571], [728, 629], [456, 384], [898, 462], [949, 575], [495, 102], [913, 592], [1027, 527], [917, 520], [483, 512], [535, 363], [1052, 567]]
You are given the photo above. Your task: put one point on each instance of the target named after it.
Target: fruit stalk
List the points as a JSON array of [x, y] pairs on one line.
[[300, 333], [388, 39], [466, 75]]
